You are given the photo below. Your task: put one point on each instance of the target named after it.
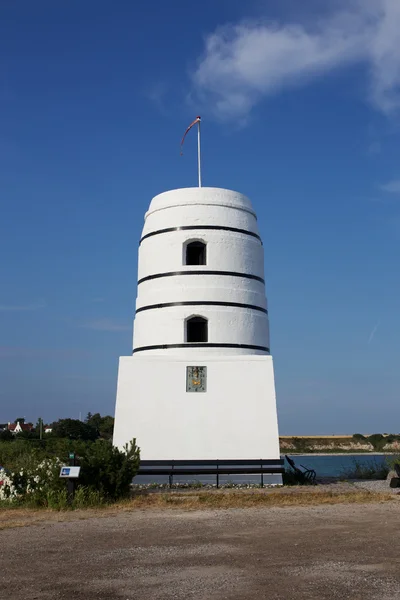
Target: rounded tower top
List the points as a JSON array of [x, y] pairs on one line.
[[206, 196]]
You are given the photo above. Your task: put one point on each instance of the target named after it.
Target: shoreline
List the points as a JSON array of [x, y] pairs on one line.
[[341, 453]]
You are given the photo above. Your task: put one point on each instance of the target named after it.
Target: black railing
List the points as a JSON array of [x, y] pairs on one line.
[[212, 467]]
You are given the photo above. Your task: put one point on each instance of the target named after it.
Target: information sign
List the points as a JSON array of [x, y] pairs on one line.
[[70, 472]]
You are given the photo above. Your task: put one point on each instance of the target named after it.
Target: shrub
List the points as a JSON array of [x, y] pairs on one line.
[[394, 460], [30, 471], [389, 439], [367, 470], [56, 499], [108, 470], [359, 437], [377, 440], [86, 496], [301, 445]]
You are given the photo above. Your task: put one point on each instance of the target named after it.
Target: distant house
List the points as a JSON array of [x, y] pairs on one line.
[[18, 427], [48, 429]]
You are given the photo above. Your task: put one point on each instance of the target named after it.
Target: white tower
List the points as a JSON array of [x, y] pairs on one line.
[[200, 382]]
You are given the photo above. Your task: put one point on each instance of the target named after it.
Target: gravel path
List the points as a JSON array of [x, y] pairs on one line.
[[337, 552], [375, 485]]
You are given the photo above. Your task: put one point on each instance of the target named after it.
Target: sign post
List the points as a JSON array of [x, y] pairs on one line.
[[71, 474]]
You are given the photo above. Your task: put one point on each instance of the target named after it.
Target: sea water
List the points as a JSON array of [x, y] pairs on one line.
[[337, 465]]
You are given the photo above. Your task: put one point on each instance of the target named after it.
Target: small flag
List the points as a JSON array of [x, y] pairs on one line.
[[197, 120]]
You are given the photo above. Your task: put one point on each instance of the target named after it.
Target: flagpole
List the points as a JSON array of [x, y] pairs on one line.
[[198, 153], [197, 120]]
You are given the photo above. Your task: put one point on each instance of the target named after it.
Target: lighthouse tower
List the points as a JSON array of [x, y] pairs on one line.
[[200, 381]]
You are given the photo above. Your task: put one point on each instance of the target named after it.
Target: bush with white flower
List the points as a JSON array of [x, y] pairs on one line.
[[8, 490], [38, 479]]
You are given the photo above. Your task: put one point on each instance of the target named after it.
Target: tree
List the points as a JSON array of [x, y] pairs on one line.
[[6, 436], [74, 430], [107, 427], [94, 420], [104, 425], [20, 420]]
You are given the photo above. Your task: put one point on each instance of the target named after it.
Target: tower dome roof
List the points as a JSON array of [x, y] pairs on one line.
[[200, 196]]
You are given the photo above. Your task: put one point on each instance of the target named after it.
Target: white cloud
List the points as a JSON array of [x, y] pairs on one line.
[[393, 187], [22, 307], [107, 325], [245, 62]]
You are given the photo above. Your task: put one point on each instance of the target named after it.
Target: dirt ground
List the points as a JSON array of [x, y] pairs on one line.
[[337, 552]]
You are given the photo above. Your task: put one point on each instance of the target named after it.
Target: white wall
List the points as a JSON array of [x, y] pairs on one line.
[[227, 251], [234, 419], [225, 325]]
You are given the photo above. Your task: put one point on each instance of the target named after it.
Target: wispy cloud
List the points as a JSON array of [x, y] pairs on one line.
[[106, 324], [22, 307], [157, 93], [41, 353], [373, 332], [246, 62], [393, 187]]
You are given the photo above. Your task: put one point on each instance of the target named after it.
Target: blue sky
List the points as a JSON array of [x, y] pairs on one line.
[[301, 112]]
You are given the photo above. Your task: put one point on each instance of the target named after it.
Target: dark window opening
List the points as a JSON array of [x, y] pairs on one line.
[[196, 253], [196, 330]]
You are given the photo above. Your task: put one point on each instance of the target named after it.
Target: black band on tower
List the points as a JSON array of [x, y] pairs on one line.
[[202, 272], [202, 303], [202, 228], [200, 345]]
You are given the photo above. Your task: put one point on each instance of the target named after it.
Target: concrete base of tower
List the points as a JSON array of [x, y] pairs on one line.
[[234, 418]]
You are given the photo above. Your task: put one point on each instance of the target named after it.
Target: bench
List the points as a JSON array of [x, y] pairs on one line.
[[211, 467], [303, 475]]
